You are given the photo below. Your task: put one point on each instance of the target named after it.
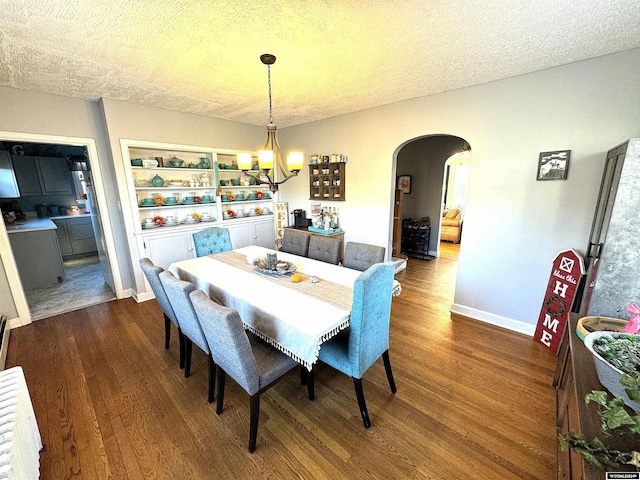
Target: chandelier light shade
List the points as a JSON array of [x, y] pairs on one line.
[[271, 154]]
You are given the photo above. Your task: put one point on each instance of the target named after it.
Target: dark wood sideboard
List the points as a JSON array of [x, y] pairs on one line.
[[574, 378]]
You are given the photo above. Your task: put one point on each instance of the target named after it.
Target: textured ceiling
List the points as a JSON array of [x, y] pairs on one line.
[[334, 56]]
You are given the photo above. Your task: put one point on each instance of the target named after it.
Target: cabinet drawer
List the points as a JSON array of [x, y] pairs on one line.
[[80, 232], [84, 245]]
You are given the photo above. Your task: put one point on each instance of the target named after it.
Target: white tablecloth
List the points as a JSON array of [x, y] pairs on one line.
[[294, 317]]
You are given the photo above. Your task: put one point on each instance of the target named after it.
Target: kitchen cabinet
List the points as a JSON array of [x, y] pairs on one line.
[[42, 175], [8, 184], [38, 257], [261, 233], [75, 235], [64, 239]]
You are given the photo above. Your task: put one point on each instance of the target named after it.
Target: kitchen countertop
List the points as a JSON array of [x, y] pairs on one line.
[[31, 225]]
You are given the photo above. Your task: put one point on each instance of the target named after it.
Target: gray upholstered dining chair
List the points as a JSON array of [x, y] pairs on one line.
[[212, 240], [178, 293], [295, 242], [152, 273], [360, 256], [325, 249], [255, 365], [355, 349]]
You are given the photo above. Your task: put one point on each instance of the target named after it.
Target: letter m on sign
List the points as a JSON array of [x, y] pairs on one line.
[[566, 270]]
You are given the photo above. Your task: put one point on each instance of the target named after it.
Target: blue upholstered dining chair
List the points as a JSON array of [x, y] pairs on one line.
[[152, 273], [252, 363], [295, 242], [212, 240], [356, 348], [360, 256], [178, 293]]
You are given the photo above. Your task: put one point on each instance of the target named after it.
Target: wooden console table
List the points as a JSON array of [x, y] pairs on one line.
[[576, 377]]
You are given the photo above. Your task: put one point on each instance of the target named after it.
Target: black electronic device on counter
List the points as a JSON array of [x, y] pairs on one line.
[[300, 219]]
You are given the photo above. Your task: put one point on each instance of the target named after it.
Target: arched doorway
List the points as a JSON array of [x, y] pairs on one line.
[[434, 174]]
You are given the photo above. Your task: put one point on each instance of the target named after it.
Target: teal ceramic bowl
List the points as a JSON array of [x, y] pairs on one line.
[[235, 182], [224, 198], [136, 162]]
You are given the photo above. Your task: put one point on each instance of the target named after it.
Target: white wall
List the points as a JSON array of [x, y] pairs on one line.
[[138, 122], [514, 226]]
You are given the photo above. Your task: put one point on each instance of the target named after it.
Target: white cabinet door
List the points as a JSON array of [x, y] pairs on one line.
[[241, 235], [256, 233], [166, 249], [265, 235]]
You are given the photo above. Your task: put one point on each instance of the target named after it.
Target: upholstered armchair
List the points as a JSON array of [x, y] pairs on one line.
[[451, 225], [356, 348], [212, 240]]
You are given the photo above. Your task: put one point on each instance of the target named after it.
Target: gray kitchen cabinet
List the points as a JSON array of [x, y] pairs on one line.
[[42, 175], [8, 184], [37, 257], [75, 235], [64, 240], [24, 167]]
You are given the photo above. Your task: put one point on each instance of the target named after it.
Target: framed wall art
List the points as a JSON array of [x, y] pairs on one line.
[[404, 183], [553, 165]]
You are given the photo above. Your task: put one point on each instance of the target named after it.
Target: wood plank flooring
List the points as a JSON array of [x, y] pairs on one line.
[[473, 401]]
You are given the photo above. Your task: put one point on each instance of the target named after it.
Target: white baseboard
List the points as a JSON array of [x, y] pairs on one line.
[[17, 322], [508, 323], [144, 296]]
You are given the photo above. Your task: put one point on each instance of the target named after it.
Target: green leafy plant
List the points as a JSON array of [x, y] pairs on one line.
[[622, 352], [615, 420]]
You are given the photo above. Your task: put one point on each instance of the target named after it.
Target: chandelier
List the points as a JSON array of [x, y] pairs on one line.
[[271, 151]]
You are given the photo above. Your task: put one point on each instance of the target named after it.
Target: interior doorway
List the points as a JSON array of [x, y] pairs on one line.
[[90, 277], [437, 179]]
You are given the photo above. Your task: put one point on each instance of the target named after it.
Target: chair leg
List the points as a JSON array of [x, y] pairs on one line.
[[167, 331], [310, 384], [188, 347], [357, 382], [387, 368], [212, 378], [181, 340], [254, 407], [221, 378], [303, 375]]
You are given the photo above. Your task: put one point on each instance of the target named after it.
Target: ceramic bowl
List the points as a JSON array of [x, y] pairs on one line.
[[136, 162], [235, 182], [608, 375], [176, 162]]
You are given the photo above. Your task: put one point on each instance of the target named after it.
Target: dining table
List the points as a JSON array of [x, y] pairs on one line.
[[294, 317]]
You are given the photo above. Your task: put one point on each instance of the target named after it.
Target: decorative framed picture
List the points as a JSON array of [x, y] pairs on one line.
[[553, 165], [404, 183]]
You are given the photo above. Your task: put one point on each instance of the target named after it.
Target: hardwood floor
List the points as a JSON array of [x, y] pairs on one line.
[[473, 401]]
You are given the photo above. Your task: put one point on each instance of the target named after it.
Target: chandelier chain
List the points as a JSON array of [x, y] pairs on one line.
[[269, 81]]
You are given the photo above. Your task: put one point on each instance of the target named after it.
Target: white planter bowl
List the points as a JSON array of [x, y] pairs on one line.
[[609, 375]]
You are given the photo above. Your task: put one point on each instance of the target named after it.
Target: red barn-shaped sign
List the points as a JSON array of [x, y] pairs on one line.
[[566, 271]]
